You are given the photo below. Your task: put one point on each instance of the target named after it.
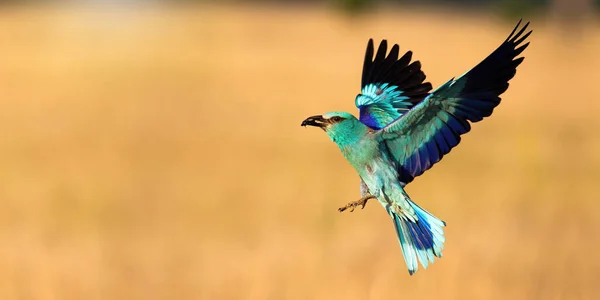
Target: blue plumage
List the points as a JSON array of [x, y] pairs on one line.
[[403, 130]]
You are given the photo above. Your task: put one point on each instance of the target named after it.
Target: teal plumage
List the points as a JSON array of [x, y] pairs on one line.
[[403, 130]]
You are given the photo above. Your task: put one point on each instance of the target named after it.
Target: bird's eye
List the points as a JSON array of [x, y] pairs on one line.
[[336, 119]]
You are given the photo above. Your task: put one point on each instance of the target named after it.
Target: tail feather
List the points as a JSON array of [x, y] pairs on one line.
[[421, 240], [409, 253]]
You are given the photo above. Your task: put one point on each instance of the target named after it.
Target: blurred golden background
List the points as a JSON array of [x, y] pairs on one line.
[[153, 151]]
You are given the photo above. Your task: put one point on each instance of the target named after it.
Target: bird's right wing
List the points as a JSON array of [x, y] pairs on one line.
[[420, 138], [390, 85]]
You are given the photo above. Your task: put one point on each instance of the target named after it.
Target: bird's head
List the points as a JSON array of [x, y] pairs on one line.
[[339, 126]]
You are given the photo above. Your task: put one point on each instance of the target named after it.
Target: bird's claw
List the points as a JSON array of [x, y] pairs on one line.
[[352, 205]]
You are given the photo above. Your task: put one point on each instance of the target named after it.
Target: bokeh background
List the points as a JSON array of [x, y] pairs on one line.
[[152, 150]]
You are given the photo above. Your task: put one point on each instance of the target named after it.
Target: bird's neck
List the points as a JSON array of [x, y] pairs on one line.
[[351, 143], [349, 138]]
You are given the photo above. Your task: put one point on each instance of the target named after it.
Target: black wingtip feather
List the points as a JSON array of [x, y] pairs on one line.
[[393, 56], [523, 37], [404, 60], [381, 51], [521, 49], [367, 61], [516, 63], [510, 36], [514, 38], [493, 73], [393, 70]]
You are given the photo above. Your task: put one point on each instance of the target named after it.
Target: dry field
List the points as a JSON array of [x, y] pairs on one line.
[[156, 153]]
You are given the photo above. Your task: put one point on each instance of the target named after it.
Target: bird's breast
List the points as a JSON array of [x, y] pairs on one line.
[[359, 155]]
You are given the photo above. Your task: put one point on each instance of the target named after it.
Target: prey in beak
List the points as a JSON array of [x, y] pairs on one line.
[[317, 121]]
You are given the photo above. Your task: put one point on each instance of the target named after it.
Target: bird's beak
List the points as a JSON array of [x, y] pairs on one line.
[[317, 121]]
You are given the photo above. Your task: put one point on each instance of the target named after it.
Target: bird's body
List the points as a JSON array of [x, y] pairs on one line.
[[403, 130], [364, 149]]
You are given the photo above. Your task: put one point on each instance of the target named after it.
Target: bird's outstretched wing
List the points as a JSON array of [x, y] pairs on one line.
[[390, 85], [432, 128]]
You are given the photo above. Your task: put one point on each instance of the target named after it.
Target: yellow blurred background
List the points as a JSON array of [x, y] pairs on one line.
[[154, 152]]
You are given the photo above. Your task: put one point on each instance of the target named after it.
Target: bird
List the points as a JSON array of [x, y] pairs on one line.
[[404, 128]]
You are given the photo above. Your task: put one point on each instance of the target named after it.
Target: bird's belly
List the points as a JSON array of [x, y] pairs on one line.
[[379, 175], [373, 166]]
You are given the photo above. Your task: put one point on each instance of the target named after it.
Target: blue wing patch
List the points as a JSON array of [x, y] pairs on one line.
[[380, 104]]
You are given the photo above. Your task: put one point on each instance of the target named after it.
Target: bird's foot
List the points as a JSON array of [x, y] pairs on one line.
[[352, 205]]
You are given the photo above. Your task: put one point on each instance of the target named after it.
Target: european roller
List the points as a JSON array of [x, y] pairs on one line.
[[404, 128]]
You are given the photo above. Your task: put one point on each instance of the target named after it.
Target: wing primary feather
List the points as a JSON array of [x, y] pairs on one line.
[[513, 31], [519, 33], [519, 41], [388, 63], [367, 62], [381, 51]]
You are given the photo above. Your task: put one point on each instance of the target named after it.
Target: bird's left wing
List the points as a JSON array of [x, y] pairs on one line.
[[420, 138], [390, 85]]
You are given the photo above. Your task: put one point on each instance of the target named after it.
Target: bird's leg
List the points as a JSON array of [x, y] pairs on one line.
[[362, 202]]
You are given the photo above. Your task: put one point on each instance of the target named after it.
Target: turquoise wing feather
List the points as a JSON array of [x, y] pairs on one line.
[[390, 85], [422, 136]]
